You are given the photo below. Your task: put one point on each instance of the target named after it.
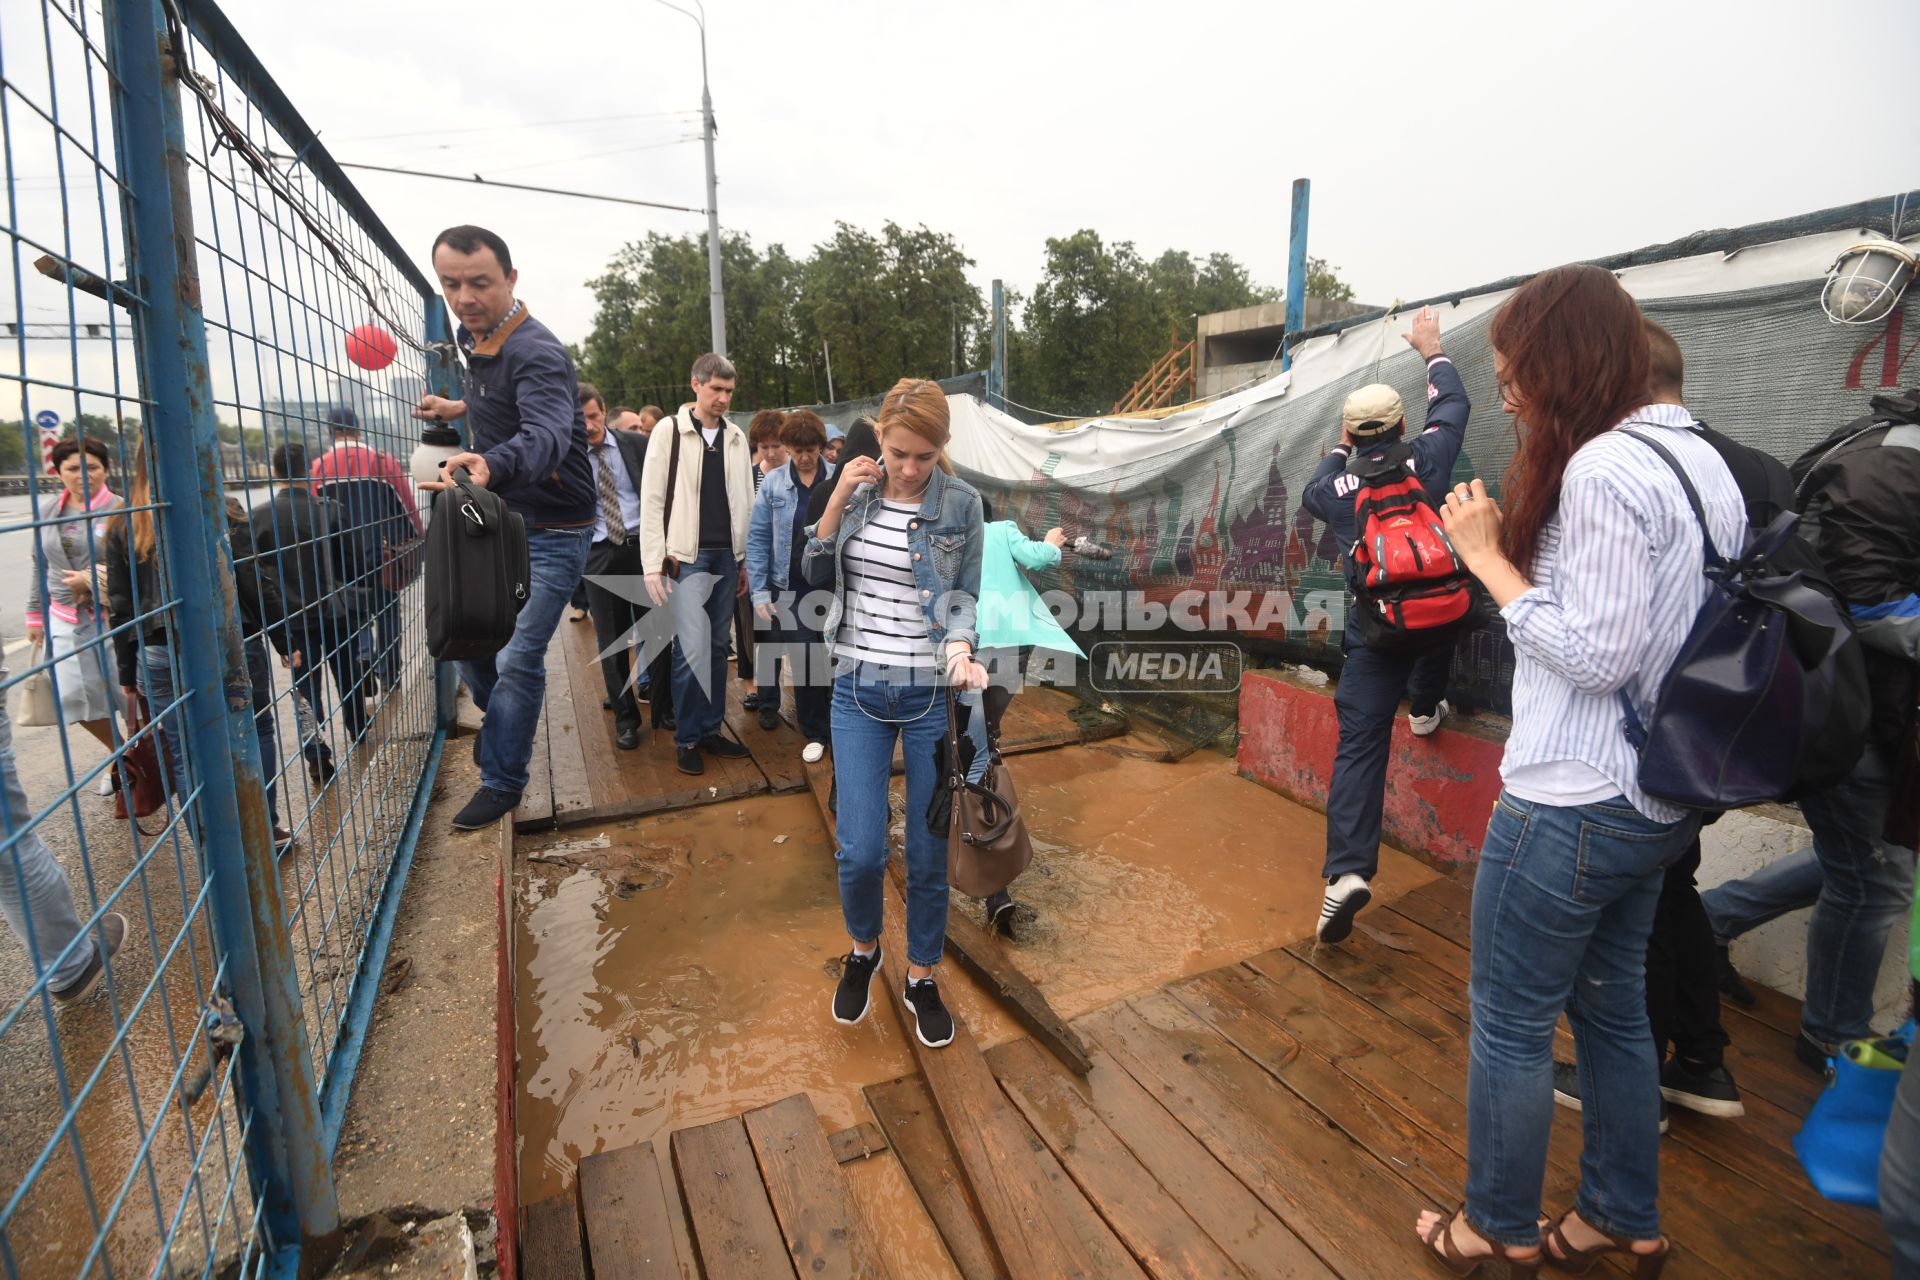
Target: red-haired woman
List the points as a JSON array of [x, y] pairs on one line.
[[1596, 566]]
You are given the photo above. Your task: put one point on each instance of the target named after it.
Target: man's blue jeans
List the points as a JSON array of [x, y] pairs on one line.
[[34, 893], [511, 686], [872, 706], [1563, 906], [1859, 885], [699, 712]]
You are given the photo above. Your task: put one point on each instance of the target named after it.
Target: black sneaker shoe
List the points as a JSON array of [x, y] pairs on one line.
[[931, 1021], [320, 770], [1732, 985], [1566, 1090], [486, 808], [751, 702], [854, 996], [1710, 1092], [1812, 1053], [107, 942], [687, 760], [725, 748], [627, 737], [769, 717]]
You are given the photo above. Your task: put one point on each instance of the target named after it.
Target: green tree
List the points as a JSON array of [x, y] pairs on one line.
[[1323, 282]]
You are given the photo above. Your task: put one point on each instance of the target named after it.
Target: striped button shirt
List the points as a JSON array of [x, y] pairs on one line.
[[884, 620], [1617, 584]]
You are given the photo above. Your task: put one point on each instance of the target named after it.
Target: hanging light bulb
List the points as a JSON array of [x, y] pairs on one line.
[[1865, 283]]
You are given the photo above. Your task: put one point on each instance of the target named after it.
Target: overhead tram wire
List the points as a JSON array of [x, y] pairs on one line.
[[529, 124], [476, 179]]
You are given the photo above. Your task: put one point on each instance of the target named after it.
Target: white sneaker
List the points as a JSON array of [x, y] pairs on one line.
[[813, 752], [1424, 725], [1344, 899]]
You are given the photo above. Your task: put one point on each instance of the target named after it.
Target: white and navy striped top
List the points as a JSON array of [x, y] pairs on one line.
[[1617, 584], [884, 619]]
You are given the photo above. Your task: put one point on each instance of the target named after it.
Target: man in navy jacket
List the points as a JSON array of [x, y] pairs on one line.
[[529, 442], [1372, 683]]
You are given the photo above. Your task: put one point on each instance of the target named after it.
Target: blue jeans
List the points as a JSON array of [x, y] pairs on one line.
[[156, 682], [1900, 1178], [1366, 700], [511, 686], [872, 706], [1563, 906], [1860, 886], [699, 712], [35, 897]]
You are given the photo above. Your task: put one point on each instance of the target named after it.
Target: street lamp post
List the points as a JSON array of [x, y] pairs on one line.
[[716, 295]]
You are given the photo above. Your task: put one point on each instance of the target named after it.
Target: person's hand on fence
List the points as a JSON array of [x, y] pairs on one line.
[[477, 471], [659, 587], [1424, 337], [439, 409], [1056, 537]]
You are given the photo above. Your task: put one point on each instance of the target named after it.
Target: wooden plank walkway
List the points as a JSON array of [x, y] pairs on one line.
[[1287, 1116]]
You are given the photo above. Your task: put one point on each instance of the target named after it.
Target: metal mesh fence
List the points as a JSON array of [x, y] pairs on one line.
[[212, 606]]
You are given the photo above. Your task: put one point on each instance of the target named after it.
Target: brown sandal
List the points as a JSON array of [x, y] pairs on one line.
[[1646, 1266], [1440, 1247]]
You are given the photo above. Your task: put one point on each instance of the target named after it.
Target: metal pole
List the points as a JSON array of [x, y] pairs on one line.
[[1296, 270], [716, 296], [997, 358], [443, 379], [826, 349], [291, 1174]]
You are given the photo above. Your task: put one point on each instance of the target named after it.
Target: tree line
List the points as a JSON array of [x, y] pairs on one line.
[[862, 310]]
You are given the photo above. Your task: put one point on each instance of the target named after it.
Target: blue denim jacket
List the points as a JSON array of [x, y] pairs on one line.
[[770, 532], [945, 542]]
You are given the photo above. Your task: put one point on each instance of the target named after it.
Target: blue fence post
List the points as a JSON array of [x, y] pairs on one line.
[[292, 1177], [1296, 270], [997, 357]]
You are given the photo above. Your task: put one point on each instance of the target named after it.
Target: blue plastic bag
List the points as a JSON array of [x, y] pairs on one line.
[[1840, 1144]]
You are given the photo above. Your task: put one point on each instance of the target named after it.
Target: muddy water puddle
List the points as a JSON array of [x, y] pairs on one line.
[[677, 969]]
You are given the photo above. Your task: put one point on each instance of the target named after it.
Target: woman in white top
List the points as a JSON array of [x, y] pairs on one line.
[[1597, 569], [899, 543]]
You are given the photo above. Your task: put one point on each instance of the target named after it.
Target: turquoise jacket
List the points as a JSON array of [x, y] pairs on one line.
[[1010, 610]]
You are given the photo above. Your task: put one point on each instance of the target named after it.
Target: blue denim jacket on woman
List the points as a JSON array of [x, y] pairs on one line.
[[770, 532], [944, 540]]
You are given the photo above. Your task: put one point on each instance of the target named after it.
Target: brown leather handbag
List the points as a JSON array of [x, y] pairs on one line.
[[987, 844]]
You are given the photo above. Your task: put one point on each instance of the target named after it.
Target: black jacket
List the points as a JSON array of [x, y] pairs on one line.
[[300, 543], [257, 599]]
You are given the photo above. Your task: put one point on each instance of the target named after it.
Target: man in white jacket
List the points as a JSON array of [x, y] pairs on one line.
[[697, 499]]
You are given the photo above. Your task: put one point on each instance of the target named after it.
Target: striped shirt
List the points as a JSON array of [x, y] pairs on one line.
[[884, 619], [1617, 584]]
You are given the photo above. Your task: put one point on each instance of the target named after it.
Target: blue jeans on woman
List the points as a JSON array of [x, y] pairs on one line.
[[156, 682], [1563, 906], [873, 705]]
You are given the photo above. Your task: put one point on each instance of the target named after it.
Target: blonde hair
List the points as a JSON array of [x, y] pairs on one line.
[[139, 494], [920, 406]]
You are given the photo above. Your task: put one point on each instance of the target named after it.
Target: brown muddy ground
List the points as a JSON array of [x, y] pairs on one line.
[[677, 969]]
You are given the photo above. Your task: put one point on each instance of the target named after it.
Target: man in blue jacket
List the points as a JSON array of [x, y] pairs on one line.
[[529, 442], [1372, 683]]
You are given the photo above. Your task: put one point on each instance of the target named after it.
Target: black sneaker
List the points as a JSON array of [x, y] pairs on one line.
[[486, 808], [1732, 985], [725, 748], [769, 717], [1710, 1092], [1812, 1053], [1566, 1090], [107, 942], [751, 702], [931, 1021], [854, 996], [687, 760], [320, 770]]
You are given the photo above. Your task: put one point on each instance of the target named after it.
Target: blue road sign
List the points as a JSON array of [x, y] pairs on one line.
[[46, 419]]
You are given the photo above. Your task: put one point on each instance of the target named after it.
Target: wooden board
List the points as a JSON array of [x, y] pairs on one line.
[[1029, 1223], [733, 1223], [536, 801], [550, 1241], [906, 1114], [624, 1208], [825, 1234], [565, 747], [857, 1142], [1040, 719], [776, 751], [1159, 1233]]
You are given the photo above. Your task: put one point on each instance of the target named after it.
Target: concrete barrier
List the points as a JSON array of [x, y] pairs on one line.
[[1440, 789]]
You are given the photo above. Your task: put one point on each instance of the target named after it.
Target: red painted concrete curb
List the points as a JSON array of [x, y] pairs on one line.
[[1440, 789]]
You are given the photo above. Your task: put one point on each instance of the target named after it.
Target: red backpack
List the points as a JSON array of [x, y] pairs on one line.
[[1410, 589]]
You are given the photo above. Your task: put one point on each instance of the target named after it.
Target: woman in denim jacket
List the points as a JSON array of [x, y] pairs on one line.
[[899, 545]]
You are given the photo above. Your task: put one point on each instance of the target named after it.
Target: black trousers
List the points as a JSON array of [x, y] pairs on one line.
[[328, 646], [614, 616], [1683, 982]]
